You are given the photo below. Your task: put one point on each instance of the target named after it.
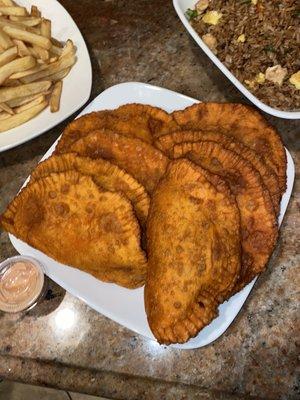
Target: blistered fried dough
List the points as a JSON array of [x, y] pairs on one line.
[[245, 124], [80, 127], [134, 120], [105, 174], [70, 219], [193, 233], [258, 220], [150, 121], [166, 143], [140, 159]]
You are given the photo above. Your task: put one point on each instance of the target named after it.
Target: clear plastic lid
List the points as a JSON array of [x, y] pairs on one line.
[[21, 283]]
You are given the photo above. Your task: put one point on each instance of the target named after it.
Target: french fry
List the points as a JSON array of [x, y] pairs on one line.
[[68, 48], [56, 50], [55, 97], [29, 37], [35, 12], [27, 21], [20, 64], [11, 10], [6, 22], [5, 40], [34, 102], [4, 115], [10, 83], [10, 93], [59, 75], [33, 52], [53, 59], [34, 29], [18, 25], [26, 99], [8, 55], [22, 48], [41, 53], [56, 43], [6, 108], [18, 119], [9, 3], [51, 69], [46, 28], [30, 71]]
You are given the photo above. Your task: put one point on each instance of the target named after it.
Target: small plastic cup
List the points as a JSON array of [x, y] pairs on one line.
[[22, 284]]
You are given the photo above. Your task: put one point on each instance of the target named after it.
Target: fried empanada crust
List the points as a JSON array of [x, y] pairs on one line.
[[67, 216], [193, 234], [166, 143], [139, 159], [82, 126], [258, 219], [150, 121], [242, 122], [134, 120], [105, 174]]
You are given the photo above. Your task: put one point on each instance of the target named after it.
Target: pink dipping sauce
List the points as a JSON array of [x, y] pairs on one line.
[[21, 283]]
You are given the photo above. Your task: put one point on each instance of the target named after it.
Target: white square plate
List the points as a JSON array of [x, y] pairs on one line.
[[76, 86], [123, 305], [181, 7]]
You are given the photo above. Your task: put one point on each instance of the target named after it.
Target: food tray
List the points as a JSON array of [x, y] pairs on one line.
[[117, 303], [181, 6]]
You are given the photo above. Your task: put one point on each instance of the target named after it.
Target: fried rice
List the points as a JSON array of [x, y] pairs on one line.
[[259, 42]]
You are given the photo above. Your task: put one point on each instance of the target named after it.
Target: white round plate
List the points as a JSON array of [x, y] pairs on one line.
[[76, 86]]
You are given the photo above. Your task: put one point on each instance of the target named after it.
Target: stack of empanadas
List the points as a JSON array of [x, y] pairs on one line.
[[186, 203]]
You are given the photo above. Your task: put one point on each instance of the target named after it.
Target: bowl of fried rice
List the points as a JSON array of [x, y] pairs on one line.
[[255, 43]]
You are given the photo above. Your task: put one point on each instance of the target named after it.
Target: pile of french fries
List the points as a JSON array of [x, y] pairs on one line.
[[32, 65]]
